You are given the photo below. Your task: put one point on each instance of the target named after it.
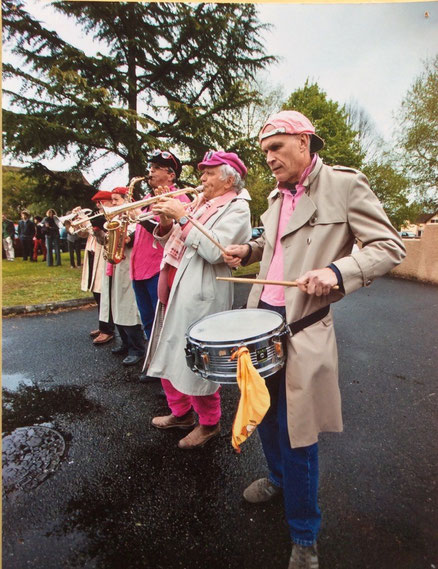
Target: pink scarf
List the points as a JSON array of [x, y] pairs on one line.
[[201, 210]]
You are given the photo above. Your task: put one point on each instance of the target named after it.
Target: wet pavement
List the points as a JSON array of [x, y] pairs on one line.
[[106, 490]]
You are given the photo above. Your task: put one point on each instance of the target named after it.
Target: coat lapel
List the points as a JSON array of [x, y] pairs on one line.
[[270, 221], [304, 210]]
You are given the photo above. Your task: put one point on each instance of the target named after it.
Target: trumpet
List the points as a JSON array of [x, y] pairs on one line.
[[76, 224], [111, 212], [60, 221]]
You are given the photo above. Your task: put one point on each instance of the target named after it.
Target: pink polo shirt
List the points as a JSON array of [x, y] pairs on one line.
[[146, 256], [274, 294]]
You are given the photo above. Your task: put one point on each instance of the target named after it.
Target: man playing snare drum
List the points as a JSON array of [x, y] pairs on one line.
[[314, 215]]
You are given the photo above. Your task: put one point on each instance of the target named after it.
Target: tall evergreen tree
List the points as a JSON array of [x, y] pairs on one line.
[[331, 123], [172, 75]]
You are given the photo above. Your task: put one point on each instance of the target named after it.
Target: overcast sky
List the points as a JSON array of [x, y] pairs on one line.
[[370, 53]]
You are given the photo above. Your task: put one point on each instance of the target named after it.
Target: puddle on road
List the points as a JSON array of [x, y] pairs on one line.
[[12, 381], [30, 404]]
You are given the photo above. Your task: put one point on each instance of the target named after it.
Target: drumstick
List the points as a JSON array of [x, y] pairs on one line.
[[206, 233], [262, 281]]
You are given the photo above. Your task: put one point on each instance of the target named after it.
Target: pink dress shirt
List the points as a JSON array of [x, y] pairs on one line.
[[146, 255], [274, 294]]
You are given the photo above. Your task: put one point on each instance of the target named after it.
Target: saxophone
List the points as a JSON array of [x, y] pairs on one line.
[[117, 231]]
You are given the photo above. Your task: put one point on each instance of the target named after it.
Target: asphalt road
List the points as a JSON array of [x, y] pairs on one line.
[[125, 497]]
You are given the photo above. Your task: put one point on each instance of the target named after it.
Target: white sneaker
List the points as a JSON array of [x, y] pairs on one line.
[[304, 557]]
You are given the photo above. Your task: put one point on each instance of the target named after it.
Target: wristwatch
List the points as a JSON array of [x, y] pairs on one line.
[[183, 220]]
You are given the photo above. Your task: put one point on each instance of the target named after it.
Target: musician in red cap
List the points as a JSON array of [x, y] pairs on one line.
[[119, 292], [188, 290], [314, 215], [94, 265]]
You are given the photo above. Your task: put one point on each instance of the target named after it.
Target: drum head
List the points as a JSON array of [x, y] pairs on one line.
[[235, 325]]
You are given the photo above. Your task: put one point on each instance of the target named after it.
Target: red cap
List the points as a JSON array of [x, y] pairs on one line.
[[292, 122], [101, 196], [213, 158], [122, 190]]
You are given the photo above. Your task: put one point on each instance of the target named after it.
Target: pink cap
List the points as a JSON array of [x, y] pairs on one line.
[[218, 158], [292, 122], [122, 190]]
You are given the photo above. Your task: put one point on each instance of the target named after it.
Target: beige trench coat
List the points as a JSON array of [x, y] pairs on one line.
[[123, 304], [98, 266], [337, 207], [196, 293]]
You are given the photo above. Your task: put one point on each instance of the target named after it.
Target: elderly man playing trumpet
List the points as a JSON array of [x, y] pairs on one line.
[[188, 290]]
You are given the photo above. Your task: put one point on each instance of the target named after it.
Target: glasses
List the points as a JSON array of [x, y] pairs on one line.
[[208, 155], [166, 155]]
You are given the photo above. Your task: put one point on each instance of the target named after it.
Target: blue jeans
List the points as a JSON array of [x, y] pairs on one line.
[[146, 297], [52, 243], [295, 470]]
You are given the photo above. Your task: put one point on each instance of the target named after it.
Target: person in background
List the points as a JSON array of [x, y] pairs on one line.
[[8, 234], [51, 230], [118, 297], [74, 245], [26, 232], [39, 239], [164, 169], [314, 215]]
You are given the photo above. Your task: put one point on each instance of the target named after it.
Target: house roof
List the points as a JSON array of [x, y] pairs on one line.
[[424, 217]]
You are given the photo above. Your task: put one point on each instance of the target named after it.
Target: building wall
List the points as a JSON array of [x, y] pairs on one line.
[[421, 261]]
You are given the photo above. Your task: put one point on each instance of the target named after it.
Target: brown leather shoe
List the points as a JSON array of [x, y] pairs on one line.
[[171, 421], [103, 338], [94, 333], [199, 436]]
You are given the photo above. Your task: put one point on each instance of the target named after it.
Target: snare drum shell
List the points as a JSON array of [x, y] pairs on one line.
[[208, 350]]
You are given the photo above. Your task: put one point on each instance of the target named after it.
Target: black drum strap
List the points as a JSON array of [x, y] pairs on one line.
[[295, 327]]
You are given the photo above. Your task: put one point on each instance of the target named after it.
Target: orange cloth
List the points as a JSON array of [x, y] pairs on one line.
[[254, 398]]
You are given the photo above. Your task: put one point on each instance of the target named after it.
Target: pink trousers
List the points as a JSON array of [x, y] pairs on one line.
[[208, 407]]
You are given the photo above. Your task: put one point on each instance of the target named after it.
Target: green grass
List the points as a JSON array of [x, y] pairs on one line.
[[249, 270], [27, 283]]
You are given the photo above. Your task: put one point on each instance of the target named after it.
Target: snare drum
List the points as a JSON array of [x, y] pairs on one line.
[[212, 340]]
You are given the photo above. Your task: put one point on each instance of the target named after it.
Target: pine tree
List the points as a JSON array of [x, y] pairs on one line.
[[172, 75]]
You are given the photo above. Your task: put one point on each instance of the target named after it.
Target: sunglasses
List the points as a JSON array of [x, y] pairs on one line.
[[208, 155], [164, 154]]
